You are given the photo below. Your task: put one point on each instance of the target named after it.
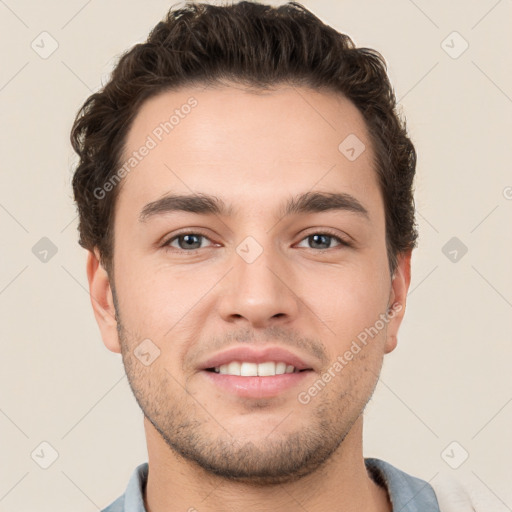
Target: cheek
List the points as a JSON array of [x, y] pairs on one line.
[[154, 300], [349, 301]]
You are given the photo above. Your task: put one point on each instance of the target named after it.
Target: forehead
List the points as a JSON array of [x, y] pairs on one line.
[[244, 145]]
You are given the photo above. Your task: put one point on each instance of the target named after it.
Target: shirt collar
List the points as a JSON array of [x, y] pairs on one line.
[[407, 493], [133, 497]]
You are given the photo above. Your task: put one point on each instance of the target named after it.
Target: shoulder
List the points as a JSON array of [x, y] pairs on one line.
[[406, 492], [132, 500], [116, 506], [467, 493]]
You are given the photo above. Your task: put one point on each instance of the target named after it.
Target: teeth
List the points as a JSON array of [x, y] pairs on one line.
[[233, 368], [266, 369], [280, 368], [249, 370]]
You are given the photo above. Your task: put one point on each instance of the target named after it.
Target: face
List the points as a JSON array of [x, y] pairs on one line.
[[236, 304]]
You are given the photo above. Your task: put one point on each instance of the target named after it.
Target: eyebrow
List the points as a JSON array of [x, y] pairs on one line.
[[204, 204]]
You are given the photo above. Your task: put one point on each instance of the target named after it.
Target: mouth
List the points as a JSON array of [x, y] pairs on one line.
[[249, 369], [250, 373]]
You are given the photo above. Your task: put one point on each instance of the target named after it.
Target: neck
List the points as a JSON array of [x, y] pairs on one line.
[[342, 483]]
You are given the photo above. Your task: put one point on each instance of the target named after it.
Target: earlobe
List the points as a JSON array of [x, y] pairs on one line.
[[102, 302], [397, 299]]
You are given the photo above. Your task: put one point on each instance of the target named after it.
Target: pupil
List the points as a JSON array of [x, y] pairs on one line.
[[316, 237], [189, 239]]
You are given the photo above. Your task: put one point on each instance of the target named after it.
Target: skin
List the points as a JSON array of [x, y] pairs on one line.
[[254, 151]]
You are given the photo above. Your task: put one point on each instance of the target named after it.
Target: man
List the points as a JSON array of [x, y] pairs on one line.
[[245, 194]]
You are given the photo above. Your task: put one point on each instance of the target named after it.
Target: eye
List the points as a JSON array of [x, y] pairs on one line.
[[186, 241], [191, 241], [322, 239]]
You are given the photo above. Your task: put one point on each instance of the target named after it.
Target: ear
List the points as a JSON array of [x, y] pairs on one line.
[[397, 299], [102, 301]]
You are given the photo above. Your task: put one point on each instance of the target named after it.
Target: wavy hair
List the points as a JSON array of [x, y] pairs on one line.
[[258, 46]]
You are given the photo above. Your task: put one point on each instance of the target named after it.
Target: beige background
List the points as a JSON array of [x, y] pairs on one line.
[[448, 380]]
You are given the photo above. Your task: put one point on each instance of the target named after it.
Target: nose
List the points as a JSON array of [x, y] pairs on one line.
[[260, 292]]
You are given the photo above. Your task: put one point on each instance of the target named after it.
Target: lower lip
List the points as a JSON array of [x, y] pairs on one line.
[[257, 387]]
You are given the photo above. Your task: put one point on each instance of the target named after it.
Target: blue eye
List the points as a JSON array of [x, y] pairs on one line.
[[323, 239], [189, 242]]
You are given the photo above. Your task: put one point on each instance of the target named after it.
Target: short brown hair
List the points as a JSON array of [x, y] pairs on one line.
[[259, 46]]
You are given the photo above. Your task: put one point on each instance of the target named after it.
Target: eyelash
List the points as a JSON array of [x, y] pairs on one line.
[[166, 245]]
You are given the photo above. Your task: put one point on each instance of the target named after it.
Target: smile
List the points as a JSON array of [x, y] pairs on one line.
[[248, 369]]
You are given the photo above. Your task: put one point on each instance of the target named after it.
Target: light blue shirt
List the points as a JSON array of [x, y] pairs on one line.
[[407, 493]]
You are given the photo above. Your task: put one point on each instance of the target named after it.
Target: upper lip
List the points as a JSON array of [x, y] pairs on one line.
[[253, 355]]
